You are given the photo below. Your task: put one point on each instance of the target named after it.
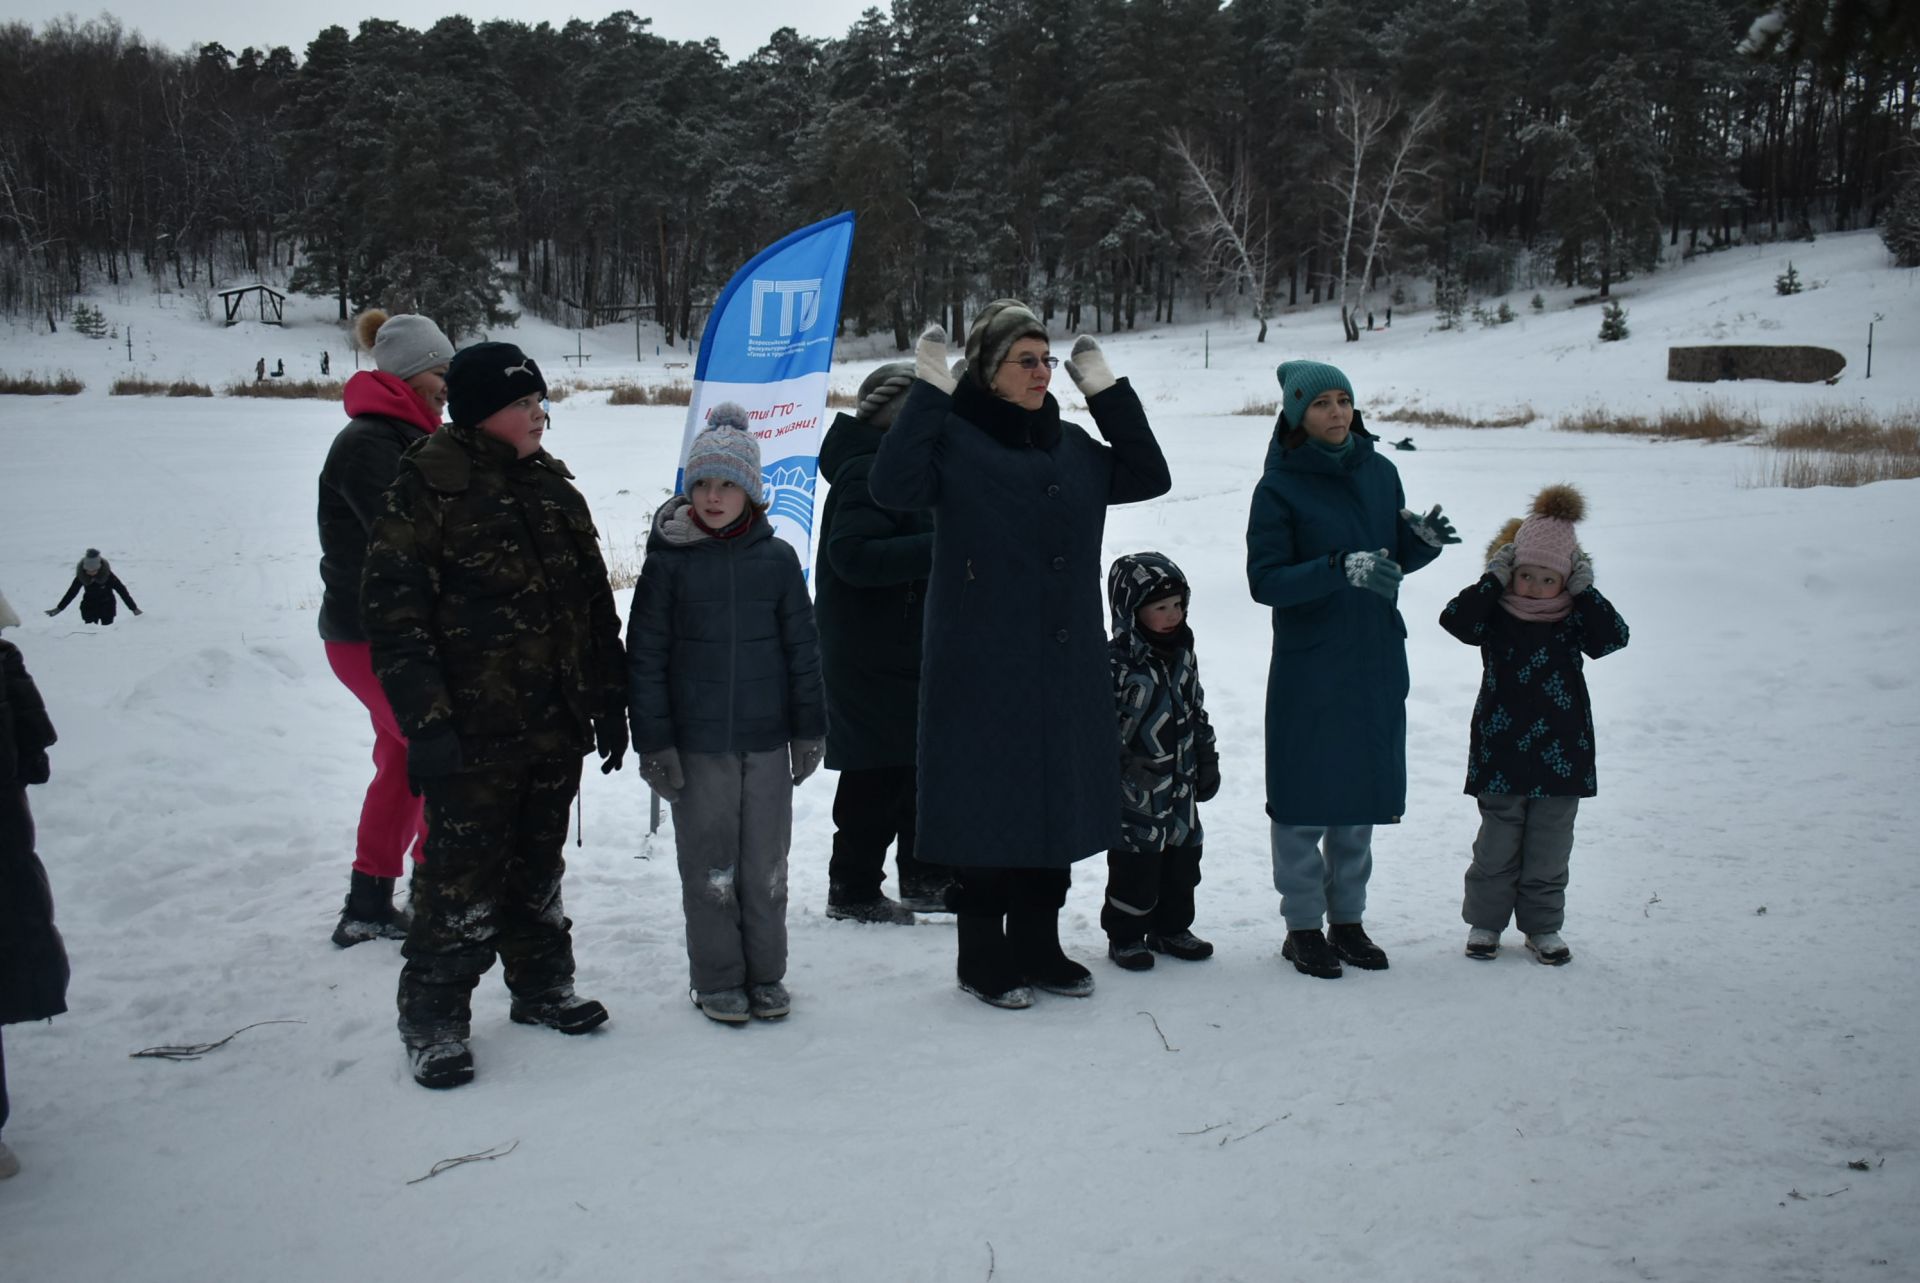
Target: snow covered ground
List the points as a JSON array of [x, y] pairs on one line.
[[1681, 1103]]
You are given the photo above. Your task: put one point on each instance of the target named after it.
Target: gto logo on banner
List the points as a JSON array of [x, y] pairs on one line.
[[768, 344]]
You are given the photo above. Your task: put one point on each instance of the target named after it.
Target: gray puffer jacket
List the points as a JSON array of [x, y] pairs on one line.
[[722, 654]]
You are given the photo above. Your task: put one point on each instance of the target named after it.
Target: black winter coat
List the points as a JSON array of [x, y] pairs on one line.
[[722, 654], [1017, 761], [33, 959], [869, 596], [1532, 725], [362, 463], [96, 606]]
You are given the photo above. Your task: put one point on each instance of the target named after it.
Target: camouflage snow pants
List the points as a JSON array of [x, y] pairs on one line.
[[489, 885]]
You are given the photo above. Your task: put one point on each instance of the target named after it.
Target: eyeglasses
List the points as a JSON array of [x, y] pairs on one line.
[[1032, 362]]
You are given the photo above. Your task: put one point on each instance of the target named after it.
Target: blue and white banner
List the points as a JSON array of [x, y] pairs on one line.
[[768, 345]]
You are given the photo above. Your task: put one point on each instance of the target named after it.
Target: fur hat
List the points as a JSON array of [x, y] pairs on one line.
[[402, 345], [727, 451], [1000, 325], [1545, 539], [92, 562], [487, 377], [880, 393], [1301, 382]]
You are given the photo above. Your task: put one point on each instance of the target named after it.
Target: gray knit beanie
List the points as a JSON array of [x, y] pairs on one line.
[[880, 393], [91, 562], [726, 451], [405, 345], [1000, 325]]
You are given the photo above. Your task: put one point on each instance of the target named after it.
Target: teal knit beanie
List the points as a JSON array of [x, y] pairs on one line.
[[1302, 381]]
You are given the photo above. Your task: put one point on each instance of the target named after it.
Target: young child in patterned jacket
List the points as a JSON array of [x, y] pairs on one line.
[[1533, 614], [1168, 765]]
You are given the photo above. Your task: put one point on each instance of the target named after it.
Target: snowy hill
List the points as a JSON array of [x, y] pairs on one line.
[[1682, 1102]]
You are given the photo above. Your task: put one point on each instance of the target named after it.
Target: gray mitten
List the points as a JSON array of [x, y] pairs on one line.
[[930, 359], [1580, 578], [1500, 564], [804, 755], [1088, 367], [661, 771], [1374, 571]]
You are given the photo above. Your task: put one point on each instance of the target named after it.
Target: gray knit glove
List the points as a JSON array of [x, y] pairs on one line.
[[1500, 564], [1374, 571], [1580, 578], [930, 359], [1434, 529], [1088, 367]]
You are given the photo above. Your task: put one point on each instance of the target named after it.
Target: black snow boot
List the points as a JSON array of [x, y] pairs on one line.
[[986, 968], [844, 906], [370, 913], [442, 1064], [1351, 943], [1183, 945], [1131, 955], [1034, 934], [558, 1008], [1310, 954]]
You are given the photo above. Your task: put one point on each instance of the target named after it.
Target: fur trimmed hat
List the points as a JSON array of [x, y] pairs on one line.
[[1000, 325], [880, 393], [402, 345], [1545, 539], [487, 377], [1301, 382], [726, 451]]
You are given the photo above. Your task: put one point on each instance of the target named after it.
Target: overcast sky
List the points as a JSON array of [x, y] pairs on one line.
[[741, 26]]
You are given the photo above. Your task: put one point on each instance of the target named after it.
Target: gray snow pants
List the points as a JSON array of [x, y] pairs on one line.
[[1519, 867], [731, 829]]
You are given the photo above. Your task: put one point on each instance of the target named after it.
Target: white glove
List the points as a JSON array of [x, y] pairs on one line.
[[1580, 578], [1088, 367], [930, 359]]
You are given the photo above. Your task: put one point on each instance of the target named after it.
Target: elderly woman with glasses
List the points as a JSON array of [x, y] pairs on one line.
[[1019, 760]]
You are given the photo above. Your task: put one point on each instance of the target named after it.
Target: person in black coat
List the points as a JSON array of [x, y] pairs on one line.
[[870, 587], [33, 960], [1018, 775], [1533, 614], [95, 584]]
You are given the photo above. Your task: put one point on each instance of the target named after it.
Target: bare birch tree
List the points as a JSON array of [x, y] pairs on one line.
[[1235, 240], [1379, 184]]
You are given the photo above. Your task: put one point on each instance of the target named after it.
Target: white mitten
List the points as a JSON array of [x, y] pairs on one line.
[[930, 359], [1088, 367]]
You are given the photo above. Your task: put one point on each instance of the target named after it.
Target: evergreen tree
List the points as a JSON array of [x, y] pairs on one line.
[[1900, 225], [1788, 282], [1613, 323]]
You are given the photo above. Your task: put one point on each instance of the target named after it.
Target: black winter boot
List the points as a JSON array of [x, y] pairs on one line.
[[986, 968], [441, 1064], [1310, 954], [1034, 935], [843, 906], [369, 913], [558, 1008], [1182, 944], [1351, 943]]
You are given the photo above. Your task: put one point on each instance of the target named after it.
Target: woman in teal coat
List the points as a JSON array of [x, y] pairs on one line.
[[1327, 542]]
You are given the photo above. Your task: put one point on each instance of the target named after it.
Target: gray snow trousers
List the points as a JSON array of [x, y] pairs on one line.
[[1519, 867], [731, 829]]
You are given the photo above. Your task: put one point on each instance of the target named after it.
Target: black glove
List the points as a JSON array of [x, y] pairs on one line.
[[610, 741], [1209, 783], [1137, 771], [804, 756], [35, 768], [433, 755], [662, 773]]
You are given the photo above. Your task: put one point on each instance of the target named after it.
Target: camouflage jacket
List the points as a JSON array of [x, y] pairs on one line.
[[487, 604]]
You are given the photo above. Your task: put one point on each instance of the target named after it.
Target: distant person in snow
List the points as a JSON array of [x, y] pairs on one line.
[[1328, 539], [1533, 614], [389, 408], [1019, 772], [869, 595], [95, 584], [33, 960], [729, 717], [1169, 765], [495, 638]]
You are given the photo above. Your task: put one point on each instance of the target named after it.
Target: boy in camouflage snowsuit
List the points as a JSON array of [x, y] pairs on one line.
[[494, 637]]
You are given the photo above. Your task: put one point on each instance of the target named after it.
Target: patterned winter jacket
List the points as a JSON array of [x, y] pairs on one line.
[[1532, 725], [487, 603], [1163, 717]]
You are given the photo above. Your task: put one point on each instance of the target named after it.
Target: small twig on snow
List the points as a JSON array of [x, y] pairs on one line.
[[485, 1155], [1650, 903], [193, 1051], [1156, 1028], [1224, 1140], [990, 1258], [1211, 1127]]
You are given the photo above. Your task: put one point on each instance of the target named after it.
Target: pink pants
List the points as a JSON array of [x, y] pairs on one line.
[[392, 822]]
